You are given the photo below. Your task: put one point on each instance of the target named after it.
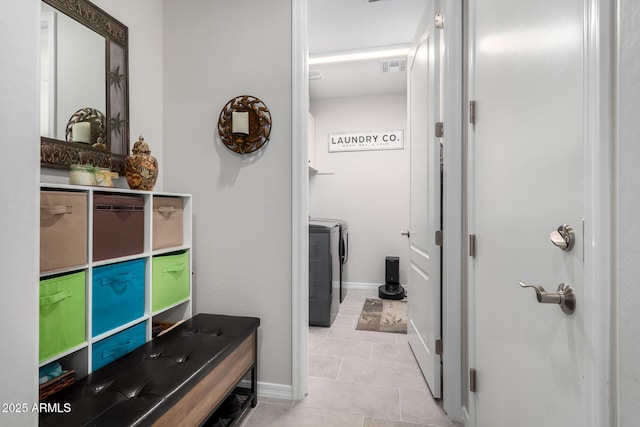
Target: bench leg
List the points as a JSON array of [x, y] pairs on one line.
[[254, 372]]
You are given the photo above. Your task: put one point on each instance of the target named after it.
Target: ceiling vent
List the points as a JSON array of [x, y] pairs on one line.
[[394, 66]]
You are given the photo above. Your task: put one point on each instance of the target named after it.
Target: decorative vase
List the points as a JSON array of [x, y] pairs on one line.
[[141, 168]]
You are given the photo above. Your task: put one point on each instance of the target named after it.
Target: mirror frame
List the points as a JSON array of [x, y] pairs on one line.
[[55, 153]]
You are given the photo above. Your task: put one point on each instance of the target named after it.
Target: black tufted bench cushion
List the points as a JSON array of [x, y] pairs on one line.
[[178, 378]]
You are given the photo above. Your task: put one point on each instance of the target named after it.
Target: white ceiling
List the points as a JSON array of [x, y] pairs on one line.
[[348, 25]]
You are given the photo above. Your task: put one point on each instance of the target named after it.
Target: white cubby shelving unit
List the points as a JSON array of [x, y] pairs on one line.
[[78, 358]]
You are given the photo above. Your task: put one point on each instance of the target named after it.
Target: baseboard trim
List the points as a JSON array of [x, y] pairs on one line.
[[277, 391], [362, 285]]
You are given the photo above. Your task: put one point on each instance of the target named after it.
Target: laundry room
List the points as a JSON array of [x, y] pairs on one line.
[[359, 156], [367, 189], [374, 180]]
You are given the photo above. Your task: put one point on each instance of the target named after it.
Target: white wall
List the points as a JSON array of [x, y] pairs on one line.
[[19, 163], [216, 50], [628, 214], [144, 19], [368, 189]]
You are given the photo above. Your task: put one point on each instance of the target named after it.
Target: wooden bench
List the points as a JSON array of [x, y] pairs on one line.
[[178, 378]]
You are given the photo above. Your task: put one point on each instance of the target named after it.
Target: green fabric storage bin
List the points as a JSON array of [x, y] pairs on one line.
[[62, 314], [170, 280]]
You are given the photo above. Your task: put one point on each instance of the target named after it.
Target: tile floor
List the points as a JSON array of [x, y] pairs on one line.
[[356, 379]]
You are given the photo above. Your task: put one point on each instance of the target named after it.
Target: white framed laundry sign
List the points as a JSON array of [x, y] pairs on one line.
[[366, 141]]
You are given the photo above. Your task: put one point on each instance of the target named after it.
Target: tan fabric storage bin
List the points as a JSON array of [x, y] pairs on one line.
[[63, 230], [118, 226], [167, 222]]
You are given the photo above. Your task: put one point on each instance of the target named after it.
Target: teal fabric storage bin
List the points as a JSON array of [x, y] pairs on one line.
[[170, 280], [114, 347], [62, 314], [118, 295]]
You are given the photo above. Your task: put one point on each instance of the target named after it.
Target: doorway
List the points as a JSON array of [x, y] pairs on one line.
[[361, 98], [451, 254]]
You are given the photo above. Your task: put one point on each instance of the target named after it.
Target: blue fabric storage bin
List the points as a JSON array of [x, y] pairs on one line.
[[114, 347], [117, 295]]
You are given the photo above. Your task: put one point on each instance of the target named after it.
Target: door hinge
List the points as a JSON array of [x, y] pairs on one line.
[[439, 129], [439, 21], [439, 238], [472, 245], [472, 112], [439, 347], [473, 380]]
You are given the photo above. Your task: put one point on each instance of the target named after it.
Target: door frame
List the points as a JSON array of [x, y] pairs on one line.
[[452, 208], [598, 223], [299, 199], [599, 170], [452, 247]]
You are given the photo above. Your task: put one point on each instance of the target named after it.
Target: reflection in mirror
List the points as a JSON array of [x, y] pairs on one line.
[[47, 74], [73, 73]]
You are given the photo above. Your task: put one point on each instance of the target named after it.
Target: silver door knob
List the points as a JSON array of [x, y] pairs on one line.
[[563, 237], [564, 297], [405, 233]]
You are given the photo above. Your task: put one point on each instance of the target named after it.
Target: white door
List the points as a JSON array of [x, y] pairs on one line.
[[526, 179], [424, 304]]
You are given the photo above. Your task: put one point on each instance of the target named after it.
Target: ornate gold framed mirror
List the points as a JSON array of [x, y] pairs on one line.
[[84, 86]]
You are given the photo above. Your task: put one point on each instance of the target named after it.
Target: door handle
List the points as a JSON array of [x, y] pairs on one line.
[[564, 297], [405, 233]]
